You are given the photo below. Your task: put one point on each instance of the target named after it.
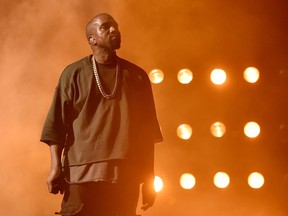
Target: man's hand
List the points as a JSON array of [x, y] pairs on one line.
[[148, 194], [55, 181]]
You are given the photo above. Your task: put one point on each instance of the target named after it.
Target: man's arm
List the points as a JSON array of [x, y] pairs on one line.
[[55, 181], [148, 191]]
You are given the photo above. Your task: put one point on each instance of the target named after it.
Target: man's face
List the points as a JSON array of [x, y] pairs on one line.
[[106, 33]]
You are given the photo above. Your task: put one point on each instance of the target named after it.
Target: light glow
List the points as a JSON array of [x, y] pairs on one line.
[[251, 74], [252, 129], [218, 129], [184, 131], [156, 76], [185, 76], [187, 181], [256, 180], [158, 184], [221, 180], [218, 76]]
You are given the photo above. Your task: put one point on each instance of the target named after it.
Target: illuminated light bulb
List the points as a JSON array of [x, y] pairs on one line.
[[251, 74], [218, 76], [221, 180], [158, 184], [185, 76], [156, 76], [256, 180], [187, 181], [184, 131], [252, 129], [218, 129]]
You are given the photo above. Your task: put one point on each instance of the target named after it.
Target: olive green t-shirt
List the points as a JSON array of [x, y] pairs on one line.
[[93, 129]]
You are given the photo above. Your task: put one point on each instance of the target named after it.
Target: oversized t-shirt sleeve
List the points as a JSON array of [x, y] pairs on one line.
[[152, 116], [57, 121]]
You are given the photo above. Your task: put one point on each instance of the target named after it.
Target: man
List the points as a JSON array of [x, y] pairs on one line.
[[101, 129]]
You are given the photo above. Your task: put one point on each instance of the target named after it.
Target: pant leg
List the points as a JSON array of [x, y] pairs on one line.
[[127, 198], [72, 203], [89, 199], [100, 199]]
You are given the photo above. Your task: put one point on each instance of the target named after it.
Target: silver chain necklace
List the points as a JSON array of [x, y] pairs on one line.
[[99, 84]]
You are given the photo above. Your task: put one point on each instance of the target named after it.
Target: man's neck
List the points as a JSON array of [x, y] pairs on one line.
[[104, 57]]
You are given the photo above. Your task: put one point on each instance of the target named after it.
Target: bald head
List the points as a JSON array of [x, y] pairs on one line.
[[91, 24], [102, 33]]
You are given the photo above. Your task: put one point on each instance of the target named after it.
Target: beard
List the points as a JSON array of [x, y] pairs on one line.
[[115, 42], [110, 42]]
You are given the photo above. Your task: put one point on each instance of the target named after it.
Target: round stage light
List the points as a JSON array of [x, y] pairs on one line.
[[184, 131], [158, 184], [156, 76], [187, 181], [218, 76], [218, 129], [221, 180], [252, 129], [251, 74], [185, 76], [256, 180]]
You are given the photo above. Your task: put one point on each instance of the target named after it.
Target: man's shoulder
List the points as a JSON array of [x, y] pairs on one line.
[[134, 72], [77, 64], [131, 66], [75, 68]]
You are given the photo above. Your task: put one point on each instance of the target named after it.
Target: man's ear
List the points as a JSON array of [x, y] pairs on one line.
[[92, 40]]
